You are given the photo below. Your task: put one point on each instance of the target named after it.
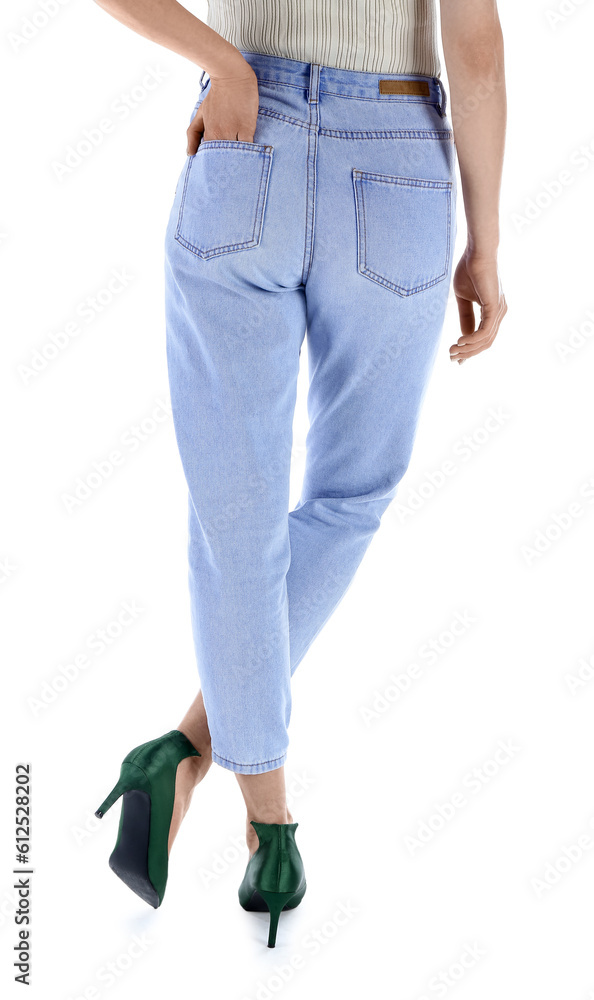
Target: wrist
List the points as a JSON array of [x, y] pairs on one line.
[[226, 62], [482, 247]]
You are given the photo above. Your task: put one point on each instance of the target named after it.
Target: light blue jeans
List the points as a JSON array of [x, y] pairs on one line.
[[337, 222]]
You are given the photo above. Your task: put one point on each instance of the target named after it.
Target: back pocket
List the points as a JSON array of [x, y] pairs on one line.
[[403, 230], [224, 196]]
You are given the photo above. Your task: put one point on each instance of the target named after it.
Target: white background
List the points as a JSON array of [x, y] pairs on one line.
[[481, 879]]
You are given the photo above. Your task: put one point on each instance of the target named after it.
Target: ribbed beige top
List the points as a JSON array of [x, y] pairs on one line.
[[376, 36]]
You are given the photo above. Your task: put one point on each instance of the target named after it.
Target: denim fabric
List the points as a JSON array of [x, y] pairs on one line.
[[335, 226]]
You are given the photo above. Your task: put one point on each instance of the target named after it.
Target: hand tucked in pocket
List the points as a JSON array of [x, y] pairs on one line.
[[229, 110]]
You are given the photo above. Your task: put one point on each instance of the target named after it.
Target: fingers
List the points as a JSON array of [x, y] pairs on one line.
[[467, 346], [194, 134], [480, 340], [466, 313]]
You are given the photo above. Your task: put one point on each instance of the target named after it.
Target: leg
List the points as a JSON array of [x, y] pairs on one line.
[[364, 403], [191, 770], [376, 294], [238, 536], [235, 311], [265, 800], [264, 794], [233, 354]]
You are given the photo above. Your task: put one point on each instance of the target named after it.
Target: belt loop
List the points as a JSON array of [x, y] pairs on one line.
[[314, 83], [444, 98]]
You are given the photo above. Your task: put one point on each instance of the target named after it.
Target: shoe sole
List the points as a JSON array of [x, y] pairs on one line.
[[129, 858]]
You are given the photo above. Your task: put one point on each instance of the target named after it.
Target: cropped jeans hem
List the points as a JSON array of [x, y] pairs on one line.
[[259, 768]]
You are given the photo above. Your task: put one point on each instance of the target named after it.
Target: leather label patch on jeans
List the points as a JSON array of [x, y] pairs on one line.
[[420, 87]]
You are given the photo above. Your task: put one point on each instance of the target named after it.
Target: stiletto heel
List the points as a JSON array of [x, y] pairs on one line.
[[147, 782], [274, 879], [276, 903], [130, 777]]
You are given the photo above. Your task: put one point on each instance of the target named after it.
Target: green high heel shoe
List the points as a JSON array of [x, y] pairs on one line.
[[274, 879], [147, 782]]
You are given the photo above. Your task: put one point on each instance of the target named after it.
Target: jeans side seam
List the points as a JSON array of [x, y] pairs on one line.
[[182, 199], [262, 188]]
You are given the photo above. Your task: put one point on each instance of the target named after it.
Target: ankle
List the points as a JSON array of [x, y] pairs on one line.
[[190, 772], [199, 740], [273, 815], [278, 816]]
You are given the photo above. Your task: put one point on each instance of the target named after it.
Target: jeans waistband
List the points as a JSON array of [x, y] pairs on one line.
[[315, 78]]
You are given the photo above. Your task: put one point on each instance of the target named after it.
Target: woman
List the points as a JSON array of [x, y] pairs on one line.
[[317, 199]]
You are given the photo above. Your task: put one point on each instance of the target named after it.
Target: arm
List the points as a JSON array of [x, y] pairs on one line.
[[230, 109], [473, 49]]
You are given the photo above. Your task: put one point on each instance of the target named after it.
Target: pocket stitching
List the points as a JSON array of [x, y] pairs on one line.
[[234, 143], [266, 153], [358, 176]]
